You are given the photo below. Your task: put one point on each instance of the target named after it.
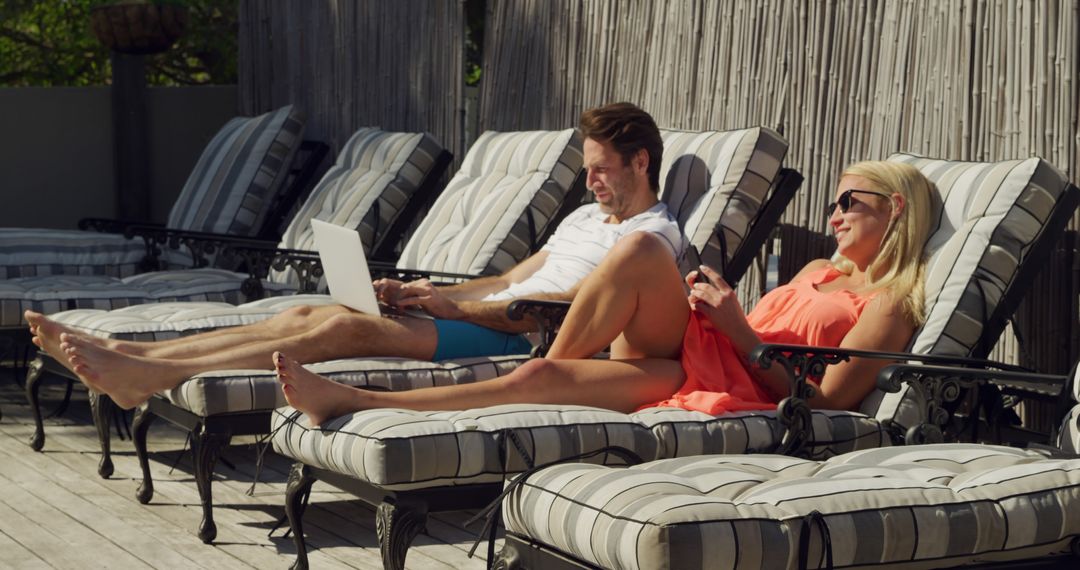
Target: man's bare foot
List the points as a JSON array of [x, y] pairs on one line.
[[128, 380], [47, 336], [318, 398]]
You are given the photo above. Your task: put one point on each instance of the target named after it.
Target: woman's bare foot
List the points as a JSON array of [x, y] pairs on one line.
[[318, 398], [128, 380]]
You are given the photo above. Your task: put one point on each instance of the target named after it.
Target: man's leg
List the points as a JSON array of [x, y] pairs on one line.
[[290, 322], [130, 380], [634, 301], [617, 385]]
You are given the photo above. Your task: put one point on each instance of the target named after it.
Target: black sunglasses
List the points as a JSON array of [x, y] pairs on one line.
[[844, 201]]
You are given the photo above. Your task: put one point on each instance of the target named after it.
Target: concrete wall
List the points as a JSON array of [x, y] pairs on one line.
[[56, 158]]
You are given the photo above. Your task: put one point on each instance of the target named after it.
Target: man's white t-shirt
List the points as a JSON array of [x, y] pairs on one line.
[[580, 243]]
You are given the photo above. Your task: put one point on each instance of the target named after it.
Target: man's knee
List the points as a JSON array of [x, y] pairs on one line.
[[639, 244], [295, 320]]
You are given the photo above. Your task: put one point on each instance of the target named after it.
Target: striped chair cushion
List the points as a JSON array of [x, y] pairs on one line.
[[375, 167], [921, 507], [57, 293], [235, 180], [401, 449], [991, 214], [481, 221], [1069, 431], [229, 391], [387, 446], [230, 190], [375, 176], [715, 183], [35, 252], [164, 321]]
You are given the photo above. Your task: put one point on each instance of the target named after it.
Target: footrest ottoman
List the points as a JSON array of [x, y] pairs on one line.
[[906, 507]]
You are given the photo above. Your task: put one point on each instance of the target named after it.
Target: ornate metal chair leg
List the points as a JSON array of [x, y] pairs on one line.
[[34, 373], [296, 499], [206, 447], [101, 408], [396, 526], [143, 418]]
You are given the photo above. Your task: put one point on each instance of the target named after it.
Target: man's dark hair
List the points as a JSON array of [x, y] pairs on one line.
[[628, 129]]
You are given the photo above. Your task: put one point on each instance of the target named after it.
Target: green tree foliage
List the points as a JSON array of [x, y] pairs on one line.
[[48, 43]]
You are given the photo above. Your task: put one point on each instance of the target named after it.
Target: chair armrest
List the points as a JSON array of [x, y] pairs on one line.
[[202, 246], [258, 260], [548, 315], [805, 362], [388, 269], [939, 386]]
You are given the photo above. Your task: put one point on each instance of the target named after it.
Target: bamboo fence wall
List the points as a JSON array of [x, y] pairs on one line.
[[353, 63], [843, 80]]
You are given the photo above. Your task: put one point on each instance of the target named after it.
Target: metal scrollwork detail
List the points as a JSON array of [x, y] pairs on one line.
[[936, 391]]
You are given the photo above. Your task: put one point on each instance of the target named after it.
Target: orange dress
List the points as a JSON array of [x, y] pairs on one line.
[[719, 380]]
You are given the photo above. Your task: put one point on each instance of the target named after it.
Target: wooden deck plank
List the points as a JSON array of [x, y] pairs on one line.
[[13, 528], [55, 529], [340, 529]]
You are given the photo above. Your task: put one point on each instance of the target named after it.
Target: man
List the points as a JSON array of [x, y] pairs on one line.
[[622, 150]]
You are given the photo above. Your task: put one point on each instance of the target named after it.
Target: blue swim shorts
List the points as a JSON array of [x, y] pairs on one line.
[[459, 339]]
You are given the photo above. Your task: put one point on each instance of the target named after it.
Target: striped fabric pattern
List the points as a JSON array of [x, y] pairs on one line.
[[480, 222], [56, 293], [374, 177], [401, 449], [235, 180], [230, 391], [1069, 431], [230, 190], [375, 166], [915, 507], [715, 183], [393, 445], [164, 321], [990, 215]]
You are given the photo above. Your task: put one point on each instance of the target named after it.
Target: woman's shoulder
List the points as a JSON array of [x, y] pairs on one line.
[[812, 267]]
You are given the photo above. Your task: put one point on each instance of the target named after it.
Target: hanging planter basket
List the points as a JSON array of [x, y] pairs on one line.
[[138, 28]]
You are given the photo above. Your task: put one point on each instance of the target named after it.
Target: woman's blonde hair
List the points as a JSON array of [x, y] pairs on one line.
[[900, 263]]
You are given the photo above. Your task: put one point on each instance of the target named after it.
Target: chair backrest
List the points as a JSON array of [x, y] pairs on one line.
[[716, 184], [235, 180], [1069, 432], [375, 176], [503, 199], [996, 224]]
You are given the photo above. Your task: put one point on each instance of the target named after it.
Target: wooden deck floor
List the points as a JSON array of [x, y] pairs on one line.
[[55, 512]]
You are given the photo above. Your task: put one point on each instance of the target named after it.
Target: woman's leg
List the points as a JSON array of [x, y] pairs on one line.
[[634, 301], [616, 385]]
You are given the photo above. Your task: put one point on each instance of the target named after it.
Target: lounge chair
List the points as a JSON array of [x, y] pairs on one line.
[[378, 183], [507, 196], [729, 189], [231, 190], [915, 506], [1004, 217]]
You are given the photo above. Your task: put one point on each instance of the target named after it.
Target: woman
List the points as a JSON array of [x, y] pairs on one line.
[[670, 349]]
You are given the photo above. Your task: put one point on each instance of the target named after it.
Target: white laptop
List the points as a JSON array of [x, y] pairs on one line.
[[345, 266]]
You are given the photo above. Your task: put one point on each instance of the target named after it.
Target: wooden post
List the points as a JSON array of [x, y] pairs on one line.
[[130, 157]]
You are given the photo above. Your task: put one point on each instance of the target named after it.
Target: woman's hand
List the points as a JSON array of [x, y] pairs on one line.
[[718, 302]]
